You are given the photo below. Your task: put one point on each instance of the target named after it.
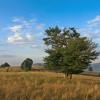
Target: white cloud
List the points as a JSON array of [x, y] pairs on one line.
[[95, 21], [40, 26], [16, 19], [15, 28], [24, 30], [34, 46], [17, 38], [93, 33], [25, 23], [21, 24], [29, 37], [92, 29]]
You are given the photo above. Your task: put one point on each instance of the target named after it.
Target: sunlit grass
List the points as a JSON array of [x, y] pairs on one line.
[[47, 86]]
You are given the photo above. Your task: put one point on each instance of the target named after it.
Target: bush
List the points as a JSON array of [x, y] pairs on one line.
[[5, 65], [99, 74], [27, 64]]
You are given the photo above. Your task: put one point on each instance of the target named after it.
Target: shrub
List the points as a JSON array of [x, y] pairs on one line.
[[5, 65], [27, 64], [99, 74]]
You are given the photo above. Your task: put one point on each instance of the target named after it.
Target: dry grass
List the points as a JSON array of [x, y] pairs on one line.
[[47, 86], [11, 69]]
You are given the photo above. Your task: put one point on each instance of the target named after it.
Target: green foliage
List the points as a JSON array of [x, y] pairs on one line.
[[27, 64], [98, 74], [67, 51], [79, 54], [54, 60], [5, 65]]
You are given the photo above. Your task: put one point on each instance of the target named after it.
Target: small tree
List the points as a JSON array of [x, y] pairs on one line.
[[5, 65], [27, 64]]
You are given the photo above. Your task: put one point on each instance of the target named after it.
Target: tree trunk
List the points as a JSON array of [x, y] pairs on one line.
[[66, 75], [70, 76]]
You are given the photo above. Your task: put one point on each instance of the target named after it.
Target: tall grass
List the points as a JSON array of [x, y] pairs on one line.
[[47, 86]]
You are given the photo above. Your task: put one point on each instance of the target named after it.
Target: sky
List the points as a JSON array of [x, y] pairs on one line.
[[23, 22]]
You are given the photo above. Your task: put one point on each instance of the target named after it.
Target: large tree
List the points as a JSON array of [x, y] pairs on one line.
[[68, 52]]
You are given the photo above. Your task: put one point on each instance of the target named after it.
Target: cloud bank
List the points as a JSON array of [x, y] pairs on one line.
[[24, 31], [92, 29]]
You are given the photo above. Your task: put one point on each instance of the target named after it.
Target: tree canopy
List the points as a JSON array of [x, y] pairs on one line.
[[5, 65], [68, 51], [27, 64]]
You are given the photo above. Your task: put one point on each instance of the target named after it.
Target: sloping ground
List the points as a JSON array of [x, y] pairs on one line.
[[90, 73], [47, 86]]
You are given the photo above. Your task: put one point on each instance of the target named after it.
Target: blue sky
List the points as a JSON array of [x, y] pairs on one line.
[[22, 25]]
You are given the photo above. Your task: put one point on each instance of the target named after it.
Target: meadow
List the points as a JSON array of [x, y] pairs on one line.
[[47, 86]]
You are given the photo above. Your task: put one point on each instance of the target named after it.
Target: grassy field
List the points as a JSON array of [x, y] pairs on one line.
[[47, 86]]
